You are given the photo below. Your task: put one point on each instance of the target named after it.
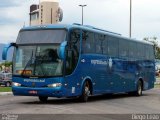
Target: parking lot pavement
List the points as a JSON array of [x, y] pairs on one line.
[[115, 104], [5, 93], [157, 80]]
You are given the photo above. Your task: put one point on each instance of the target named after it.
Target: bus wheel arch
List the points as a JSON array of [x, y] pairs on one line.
[[142, 82], [43, 99], [87, 89]]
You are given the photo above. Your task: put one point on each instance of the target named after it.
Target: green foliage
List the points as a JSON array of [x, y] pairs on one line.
[[156, 46], [7, 64]]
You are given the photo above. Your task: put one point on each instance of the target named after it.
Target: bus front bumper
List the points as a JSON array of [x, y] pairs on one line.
[[49, 92]]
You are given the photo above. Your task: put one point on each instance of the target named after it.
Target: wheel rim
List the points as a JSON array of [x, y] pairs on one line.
[[87, 91]]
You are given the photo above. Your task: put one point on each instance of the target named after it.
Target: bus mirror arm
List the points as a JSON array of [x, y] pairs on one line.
[[5, 50], [13, 44]]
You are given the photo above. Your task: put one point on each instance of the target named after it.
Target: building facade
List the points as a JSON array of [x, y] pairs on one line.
[[47, 12]]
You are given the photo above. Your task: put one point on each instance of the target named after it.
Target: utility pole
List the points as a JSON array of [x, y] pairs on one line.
[[82, 11], [130, 21]]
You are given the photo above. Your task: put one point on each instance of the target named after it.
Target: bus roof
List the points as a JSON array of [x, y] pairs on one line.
[[83, 27]]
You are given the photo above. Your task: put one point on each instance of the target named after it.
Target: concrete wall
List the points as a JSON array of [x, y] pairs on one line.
[[47, 12]]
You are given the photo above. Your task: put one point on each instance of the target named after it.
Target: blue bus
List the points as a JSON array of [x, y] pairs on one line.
[[79, 61]]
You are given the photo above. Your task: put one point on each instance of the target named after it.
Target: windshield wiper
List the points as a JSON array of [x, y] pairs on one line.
[[39, 62], [28, 63]]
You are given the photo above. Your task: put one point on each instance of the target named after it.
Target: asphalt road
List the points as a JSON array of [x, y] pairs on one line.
[[149, 103]]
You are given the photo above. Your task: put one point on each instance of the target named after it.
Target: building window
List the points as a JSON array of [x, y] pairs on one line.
[[34, 16]]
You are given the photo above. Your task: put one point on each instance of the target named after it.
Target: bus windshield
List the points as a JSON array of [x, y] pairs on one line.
[[37, 61], [36, 53]]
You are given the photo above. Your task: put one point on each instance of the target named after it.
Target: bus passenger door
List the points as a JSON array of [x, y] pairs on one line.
[[71, 77]]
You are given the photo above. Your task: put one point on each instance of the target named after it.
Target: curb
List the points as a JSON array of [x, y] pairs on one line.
[[5, 93]]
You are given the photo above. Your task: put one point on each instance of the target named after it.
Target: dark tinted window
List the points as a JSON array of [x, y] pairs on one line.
[[147, 53], [113, 46], [75, 40], [105, 45], [123, 48], [72, 53], [99, 43], [41, 36], [140, 51], [151, 53], [88, 42], [132, 49]]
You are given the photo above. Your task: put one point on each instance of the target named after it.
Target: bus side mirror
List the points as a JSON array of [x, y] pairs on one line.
[[5, 50], [61, 51]]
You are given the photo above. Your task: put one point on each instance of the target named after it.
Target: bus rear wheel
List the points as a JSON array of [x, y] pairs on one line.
[[43, 99], [139, 89], [85, 92]]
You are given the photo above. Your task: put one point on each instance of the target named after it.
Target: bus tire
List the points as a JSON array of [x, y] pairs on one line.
[[85, 92], [139, 88], [43, 99]]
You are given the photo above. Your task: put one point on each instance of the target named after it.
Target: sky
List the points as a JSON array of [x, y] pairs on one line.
[[112, 15]]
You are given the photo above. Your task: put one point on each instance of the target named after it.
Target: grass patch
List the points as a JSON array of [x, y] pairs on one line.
[[157, 86], [5, 89]]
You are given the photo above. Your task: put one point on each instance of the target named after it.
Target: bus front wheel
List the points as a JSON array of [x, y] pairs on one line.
[[43, 99], [85, 92]]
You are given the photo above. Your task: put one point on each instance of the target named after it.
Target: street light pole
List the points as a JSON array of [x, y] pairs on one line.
[[130, 21], [82, 11]]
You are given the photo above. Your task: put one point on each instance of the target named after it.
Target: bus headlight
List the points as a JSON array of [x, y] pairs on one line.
[[16, 84], [55, 85]]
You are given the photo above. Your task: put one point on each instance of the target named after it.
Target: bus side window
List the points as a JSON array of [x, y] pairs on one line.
[[151, 53], [99, 43], [113, 46], [140, 51], [147, 54], [88, 42], [132, 50], [123, 48], [104, 45]]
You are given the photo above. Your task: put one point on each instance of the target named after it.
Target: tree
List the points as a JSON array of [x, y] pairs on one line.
[[156, 46], [7, 64]]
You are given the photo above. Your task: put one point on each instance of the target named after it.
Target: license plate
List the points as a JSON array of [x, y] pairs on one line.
[[32, 92]]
